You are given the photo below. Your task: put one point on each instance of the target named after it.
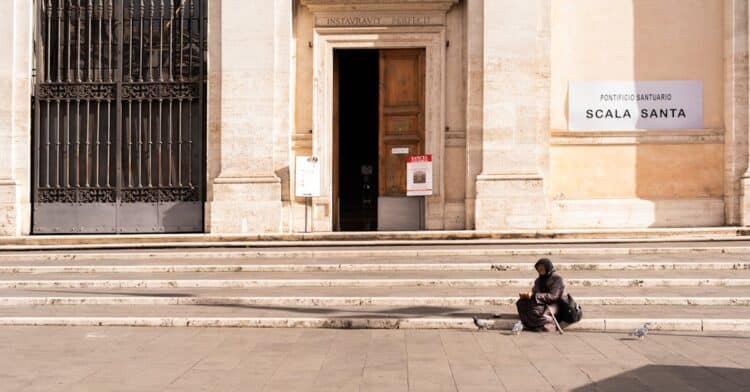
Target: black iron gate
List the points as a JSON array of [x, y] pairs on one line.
[[119, 116]]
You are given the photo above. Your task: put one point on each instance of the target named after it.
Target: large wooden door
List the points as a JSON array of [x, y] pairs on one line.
[[401, 122]]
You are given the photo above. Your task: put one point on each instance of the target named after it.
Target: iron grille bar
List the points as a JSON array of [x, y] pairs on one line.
[[177, 173], [119, 70], [97, 129], [173, 64], [202, 49], [171, 36], [188, 119], [110, 71], [40, 64]]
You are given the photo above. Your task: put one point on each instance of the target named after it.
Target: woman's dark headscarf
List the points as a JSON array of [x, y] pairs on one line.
[[548, 268]]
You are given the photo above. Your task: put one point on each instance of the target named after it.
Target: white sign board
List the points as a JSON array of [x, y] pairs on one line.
[[419, 175], [307, 177], [634, 105]]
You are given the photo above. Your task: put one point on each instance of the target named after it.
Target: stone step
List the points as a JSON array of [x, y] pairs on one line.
[[241, 310], [400, 236], [317, 301], [168, 258], [727, 274], [613, 324], [423, 282], [695, 318], [36, 268], [383, 291], [368, 250]]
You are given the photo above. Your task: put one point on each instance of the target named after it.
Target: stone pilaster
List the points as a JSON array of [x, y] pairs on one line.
[[737, 176], [254, 47], [15, 115], [510, 189], [474, 23]]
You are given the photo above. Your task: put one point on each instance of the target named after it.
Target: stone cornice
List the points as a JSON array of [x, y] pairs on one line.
[[378, 5]]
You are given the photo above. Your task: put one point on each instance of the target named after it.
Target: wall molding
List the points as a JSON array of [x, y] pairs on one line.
[[676, 136]]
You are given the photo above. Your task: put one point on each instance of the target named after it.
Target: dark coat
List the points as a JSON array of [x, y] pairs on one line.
[[547, 292]]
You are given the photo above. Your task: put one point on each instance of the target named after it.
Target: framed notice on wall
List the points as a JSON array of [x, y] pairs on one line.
[[635, 105], [419, 175], [307, 177]]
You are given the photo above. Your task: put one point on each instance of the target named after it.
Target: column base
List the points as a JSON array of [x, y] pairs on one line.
[[508, 202], [245, 205], [745, 201], [321, 215], [10, 213]]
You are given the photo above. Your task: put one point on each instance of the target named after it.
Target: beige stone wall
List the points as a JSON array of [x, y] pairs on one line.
[[737, 179], [249, 114], [302, 107], [510, 190], [15, 115], [637, 40], [649, 171], [8, 215], [454, 216]]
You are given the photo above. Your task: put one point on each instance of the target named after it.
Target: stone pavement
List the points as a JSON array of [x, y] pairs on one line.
[[226, 359]]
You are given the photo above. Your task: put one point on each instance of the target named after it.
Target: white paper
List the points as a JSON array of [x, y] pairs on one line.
[[307, 177], [419, 175]]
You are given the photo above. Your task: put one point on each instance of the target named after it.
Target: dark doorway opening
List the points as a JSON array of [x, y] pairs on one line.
[[357, 146]]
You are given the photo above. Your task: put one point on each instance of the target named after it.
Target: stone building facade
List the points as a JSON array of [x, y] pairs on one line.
[[494, 101]]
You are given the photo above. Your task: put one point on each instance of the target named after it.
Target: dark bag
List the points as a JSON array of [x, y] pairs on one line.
[[569, 311]]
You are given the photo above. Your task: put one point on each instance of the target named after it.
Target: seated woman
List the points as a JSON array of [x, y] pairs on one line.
[[548, 290]]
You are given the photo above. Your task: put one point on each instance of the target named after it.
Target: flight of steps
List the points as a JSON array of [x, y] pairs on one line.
[[321, 288]]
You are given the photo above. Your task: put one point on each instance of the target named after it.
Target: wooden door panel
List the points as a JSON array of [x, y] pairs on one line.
[[396, 125], [402, 73], [394, 165]]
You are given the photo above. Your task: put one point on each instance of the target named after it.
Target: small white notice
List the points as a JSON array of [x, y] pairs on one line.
[[419, 175], [400, 150], [307, 177], [635, 105]]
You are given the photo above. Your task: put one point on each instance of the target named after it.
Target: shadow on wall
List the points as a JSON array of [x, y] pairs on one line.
[[679, 40], [674, 378]]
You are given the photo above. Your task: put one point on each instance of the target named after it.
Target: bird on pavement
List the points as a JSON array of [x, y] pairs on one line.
[[641, 332], [517, 328], [481, 324]]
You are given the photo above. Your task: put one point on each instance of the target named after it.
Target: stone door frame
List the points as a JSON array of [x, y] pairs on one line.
[[326, 39]]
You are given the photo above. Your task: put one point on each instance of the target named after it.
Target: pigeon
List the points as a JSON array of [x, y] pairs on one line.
[[481, 324], [517, 328], [641, 332]]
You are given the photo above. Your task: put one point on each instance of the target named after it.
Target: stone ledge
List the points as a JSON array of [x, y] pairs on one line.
[[635, 212], [677, 136], [379, 5], [146, 300], [429, 237], [247, 180], [601, 325], [281, 283], [314, 253], [383, 267]]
